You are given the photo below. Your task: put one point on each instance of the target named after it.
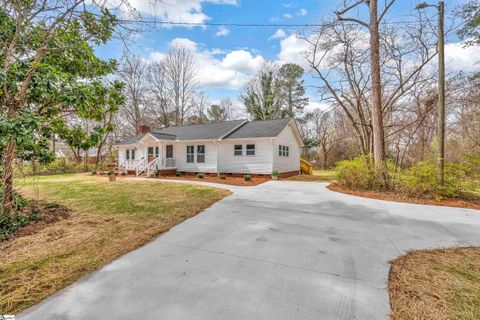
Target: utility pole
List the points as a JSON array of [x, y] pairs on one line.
[[441, 95], [441, 90]]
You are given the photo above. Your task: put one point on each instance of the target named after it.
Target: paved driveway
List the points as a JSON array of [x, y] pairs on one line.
[[281, 250]]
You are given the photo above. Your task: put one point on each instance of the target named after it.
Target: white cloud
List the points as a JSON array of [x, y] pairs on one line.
[[294, 50], [461, 58], [222, 31], [279, 34], [218, 69], [302, 12], [287, 16], [183, 43], [287, 5], [189, 11]]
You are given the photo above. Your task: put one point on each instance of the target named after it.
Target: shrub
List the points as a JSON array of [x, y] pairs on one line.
[[10, 223], [178, 174], [421, 179], [200, 175], [358, 173], [275, 174], [222, 176], [247, 177]]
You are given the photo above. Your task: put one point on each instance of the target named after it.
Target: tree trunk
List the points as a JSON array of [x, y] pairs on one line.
[[7, 201], [377, 114]]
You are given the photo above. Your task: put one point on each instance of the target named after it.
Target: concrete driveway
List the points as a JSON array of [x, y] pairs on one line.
[[280, 250]]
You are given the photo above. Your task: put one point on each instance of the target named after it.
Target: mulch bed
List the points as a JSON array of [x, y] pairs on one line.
[[440, 284], [392, 196], [234, 181], [50, 213]]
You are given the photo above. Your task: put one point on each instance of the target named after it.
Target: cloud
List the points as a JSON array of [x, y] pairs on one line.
[[279, 34], [219, 69], [183, 43], [293, 50], [302, 12], [288, 4], [222, 32], [188, 11], [461, 58], [288, 16]]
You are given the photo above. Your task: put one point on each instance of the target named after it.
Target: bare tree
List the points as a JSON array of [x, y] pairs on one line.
[[182, 75], [161, 102], [341, 59], [325, 135], [133, 72]]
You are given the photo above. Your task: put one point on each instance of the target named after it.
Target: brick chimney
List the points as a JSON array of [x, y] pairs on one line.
[[143, 128]]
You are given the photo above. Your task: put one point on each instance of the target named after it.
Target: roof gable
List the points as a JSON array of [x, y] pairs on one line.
[[260, 129]]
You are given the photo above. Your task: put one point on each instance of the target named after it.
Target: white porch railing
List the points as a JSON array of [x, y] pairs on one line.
[[169, 163], [140, 166]]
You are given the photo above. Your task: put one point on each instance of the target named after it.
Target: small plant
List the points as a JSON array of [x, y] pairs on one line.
[[94, 173], [178, 174], [247, 177], [200, 175], [222, 176], [156, 173], [275, 175]]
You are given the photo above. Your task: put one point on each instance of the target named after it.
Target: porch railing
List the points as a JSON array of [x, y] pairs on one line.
[[140, 166]]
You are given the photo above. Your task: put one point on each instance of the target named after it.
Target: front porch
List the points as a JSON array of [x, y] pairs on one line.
[[147, 157]]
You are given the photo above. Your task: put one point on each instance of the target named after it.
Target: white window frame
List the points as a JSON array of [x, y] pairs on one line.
[[247, 150], [201, 153], [235, 150], [192, 154]]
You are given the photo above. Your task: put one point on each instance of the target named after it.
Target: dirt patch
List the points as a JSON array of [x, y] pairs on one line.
[[233, 181], [392, 196], [436, 284], [49, 213]]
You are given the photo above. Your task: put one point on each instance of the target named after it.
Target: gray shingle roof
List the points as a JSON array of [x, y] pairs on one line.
[[235, 129], [206, 131], [260, 129], [130, 140]]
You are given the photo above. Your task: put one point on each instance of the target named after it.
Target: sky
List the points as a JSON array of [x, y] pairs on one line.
[[230, 55]]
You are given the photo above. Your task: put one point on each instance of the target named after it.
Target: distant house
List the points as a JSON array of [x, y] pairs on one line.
[[232, 147]]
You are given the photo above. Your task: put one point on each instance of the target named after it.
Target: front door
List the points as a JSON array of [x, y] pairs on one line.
[[169, 154], [152, 153]]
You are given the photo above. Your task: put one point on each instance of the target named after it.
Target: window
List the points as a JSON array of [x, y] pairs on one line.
[[169, 151], [201, 153], [127, 154], [283, 151], [150, 152], [157, 152], [250, 149], [133, 154], [190, 154], [238, 150]]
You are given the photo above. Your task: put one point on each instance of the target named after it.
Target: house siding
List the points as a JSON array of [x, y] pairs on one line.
[[210, 164], [260, 163], [292, 162]]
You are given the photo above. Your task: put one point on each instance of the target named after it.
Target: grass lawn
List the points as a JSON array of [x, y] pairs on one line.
[[436, 284], [317, 176], [108, 219]]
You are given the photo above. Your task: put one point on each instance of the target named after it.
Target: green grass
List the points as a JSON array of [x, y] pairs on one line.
[[108, 219], [317, 176]]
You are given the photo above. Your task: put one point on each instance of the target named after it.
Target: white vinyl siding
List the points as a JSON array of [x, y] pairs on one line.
[[260, 163], [210, 157], [287, 152]]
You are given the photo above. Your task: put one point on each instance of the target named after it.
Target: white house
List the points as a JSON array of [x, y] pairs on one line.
[[232, 147]]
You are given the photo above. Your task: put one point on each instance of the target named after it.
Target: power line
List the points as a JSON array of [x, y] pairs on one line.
[[227, 24]]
